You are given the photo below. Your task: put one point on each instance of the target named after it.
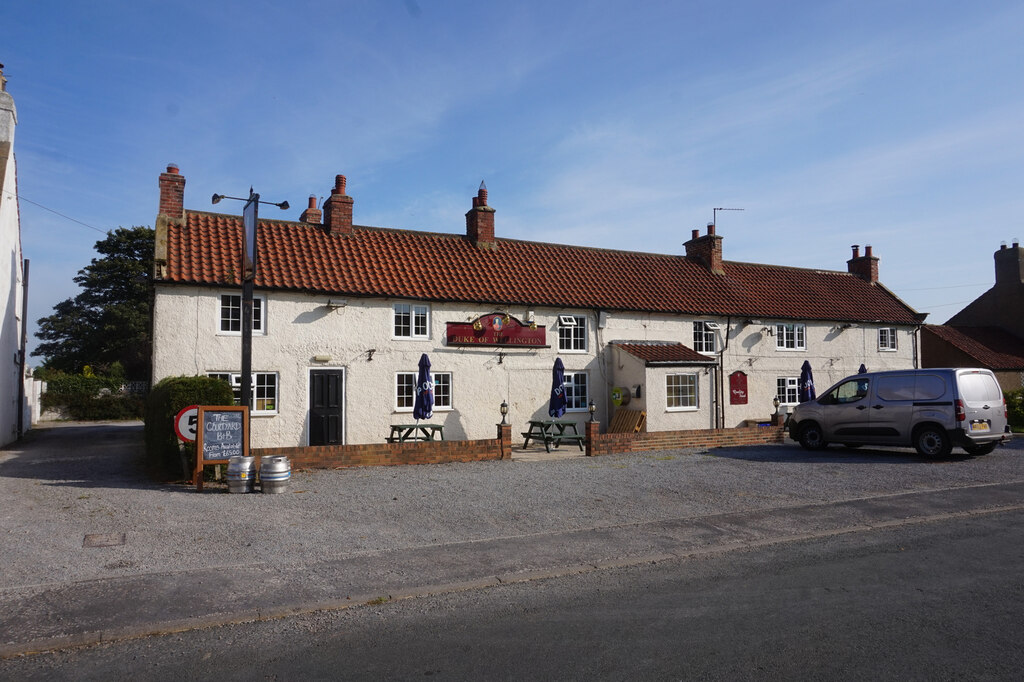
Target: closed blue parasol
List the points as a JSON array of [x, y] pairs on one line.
[[423, 407], [556, 408], [806, 386], [863, 369]]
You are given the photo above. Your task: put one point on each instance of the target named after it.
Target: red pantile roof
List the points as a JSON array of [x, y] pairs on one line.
[[448, 267], [665, 353], [992, 347]]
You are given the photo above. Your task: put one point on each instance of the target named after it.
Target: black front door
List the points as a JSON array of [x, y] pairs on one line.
[[326, 395]]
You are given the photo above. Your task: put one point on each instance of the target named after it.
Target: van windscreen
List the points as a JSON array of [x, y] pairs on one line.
[[979, 387]]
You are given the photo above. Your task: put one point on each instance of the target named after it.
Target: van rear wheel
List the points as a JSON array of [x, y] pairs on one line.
[[932, 441], [812, 437]]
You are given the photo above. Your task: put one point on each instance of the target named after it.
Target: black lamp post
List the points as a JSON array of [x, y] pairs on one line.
[[775, 402], [591, 408], [250, 217], [504, 412]]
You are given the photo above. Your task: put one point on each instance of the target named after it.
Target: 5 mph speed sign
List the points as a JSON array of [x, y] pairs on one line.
[[185, 423]]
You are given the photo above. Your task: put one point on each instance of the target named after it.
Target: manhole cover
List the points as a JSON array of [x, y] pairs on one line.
[[103, 540]]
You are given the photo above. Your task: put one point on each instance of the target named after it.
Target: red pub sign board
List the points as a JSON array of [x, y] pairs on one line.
[[496, 329], [738, 388]]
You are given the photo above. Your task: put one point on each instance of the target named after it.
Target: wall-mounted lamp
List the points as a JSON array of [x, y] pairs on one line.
[[770, 331], [504, 412], [322, 358], [335, 303], [591, 408], [369, 354]]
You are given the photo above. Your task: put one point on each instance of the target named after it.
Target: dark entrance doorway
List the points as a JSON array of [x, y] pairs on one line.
[[326, 395]]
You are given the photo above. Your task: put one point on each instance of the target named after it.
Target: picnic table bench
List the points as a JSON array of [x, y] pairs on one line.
[[553, 432], [402, 433]]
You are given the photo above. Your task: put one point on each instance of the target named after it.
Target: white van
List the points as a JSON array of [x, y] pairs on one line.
[[930, 409]]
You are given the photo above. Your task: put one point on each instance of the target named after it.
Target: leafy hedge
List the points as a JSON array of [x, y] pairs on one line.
[[165, 400], [1015, 409], [91, 397]]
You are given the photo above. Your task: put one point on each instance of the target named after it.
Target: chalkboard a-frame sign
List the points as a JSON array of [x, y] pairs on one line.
[[222, 432]]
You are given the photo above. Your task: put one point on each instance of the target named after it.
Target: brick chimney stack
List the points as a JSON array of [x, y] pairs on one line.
[[172, 193], [312, 214], [866, 266], [706, 249], [480, 220], [1010, 264], [337, 212]]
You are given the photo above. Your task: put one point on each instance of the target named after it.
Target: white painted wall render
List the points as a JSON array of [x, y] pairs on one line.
[[300, 327]]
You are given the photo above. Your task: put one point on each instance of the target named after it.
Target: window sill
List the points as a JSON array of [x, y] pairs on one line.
[[676, 410]]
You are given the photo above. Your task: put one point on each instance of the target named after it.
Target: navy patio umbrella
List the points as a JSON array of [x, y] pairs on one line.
[[806, 386], [556, 407], [863, 369], [423, 407]]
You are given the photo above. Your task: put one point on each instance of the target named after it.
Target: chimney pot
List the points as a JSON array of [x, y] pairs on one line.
[[480, 220], [172, 193], [1002, 245], [1016, 243], [711, 228], [695, 234], [866, 266], [312, 201], [337, 210]]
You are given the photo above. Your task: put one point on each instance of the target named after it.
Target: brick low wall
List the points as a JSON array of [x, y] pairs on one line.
[[393, 454], [444, 451], [609, 443]]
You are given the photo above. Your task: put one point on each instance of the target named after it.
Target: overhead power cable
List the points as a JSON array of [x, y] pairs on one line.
[[66, 217]]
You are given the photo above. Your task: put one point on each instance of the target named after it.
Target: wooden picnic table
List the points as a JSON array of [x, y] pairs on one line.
[[553, 432], [401, 433]]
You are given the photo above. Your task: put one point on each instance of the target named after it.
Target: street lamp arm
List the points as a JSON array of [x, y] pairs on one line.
[[283, 205]]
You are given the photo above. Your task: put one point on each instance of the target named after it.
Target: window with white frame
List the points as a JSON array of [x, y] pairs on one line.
[[704, 336], [442, 390], [264, 390], [231, 314], [790, 336], [576, 396], [887, 338], [572, 333], [411, 321], [405, 390], [681, 392], [788, 390]]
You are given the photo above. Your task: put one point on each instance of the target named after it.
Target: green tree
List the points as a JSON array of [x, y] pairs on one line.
[[108, 321]]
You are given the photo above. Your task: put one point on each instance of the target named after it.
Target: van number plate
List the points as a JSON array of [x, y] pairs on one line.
[[979, 425]]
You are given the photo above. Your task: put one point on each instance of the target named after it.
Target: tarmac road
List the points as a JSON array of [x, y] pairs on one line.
[[936, 600], [92, 551]]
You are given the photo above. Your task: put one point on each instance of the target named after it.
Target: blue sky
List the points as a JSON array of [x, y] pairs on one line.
[[603, 123]]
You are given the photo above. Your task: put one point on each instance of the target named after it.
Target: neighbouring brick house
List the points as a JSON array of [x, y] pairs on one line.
[[989, 331], [694, 340]]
